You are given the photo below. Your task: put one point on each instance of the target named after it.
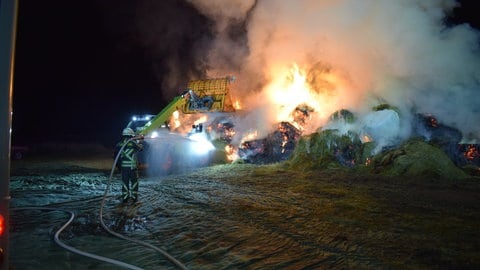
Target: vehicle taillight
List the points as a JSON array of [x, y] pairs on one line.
[[2, 224]]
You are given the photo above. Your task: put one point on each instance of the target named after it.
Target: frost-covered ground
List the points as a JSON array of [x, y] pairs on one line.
[[244, 217]]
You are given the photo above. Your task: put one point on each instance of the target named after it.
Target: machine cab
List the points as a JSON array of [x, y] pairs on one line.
[[138, 122]]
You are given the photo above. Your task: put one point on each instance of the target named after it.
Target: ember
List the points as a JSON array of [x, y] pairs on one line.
[[221, 129], [468, 154], [471, 152]]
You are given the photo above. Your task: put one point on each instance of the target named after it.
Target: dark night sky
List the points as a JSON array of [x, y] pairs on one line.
[[83, 67]]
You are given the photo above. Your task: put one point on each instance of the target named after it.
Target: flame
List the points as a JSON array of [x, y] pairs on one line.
[[249, 136], [366, 139], [284, 143], [237, 105], [231, 153], [176, 119], [290, 88], [230, 132]]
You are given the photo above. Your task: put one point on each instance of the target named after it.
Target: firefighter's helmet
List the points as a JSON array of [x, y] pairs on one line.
[[128, 132]]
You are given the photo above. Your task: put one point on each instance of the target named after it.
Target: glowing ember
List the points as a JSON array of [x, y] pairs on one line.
[[471, 153], [229, 132], [431, 120]]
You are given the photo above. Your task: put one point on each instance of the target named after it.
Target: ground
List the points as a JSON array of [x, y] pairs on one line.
[[243, 216]]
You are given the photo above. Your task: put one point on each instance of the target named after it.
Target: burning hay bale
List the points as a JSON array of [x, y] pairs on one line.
[[383, 125], [372, 143], [333, 145], [222, 129], [277, 146], [450, 140], [433, 149], [416, 158], [343, 115], [330, 148], [301, 114], [430, 129]]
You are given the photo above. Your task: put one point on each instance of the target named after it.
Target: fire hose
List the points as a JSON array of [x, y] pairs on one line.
[[95, 256], [57, 240]]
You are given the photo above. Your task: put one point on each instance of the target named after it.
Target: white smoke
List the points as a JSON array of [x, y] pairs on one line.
[[397, 51]]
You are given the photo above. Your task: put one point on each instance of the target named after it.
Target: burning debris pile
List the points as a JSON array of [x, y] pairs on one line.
[[376, 140], [372, 141], [432, 149], [334, 145], [322, 56], [277, 146], [308, 130], [329, 56]]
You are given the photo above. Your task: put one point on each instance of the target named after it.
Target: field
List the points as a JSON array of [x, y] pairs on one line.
[[244, 216]]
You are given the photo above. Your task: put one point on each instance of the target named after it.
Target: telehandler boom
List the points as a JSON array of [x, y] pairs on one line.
[[211, 95]]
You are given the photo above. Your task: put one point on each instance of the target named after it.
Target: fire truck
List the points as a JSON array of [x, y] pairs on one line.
[[167, 151]]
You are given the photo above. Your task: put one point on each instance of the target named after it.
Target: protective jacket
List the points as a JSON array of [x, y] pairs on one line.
[[129, 164], [128, 157]]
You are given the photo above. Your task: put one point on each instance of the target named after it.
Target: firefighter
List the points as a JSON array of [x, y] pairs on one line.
[[129, 164]]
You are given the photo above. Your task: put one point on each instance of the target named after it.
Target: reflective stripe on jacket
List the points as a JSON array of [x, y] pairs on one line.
[[128, 156]]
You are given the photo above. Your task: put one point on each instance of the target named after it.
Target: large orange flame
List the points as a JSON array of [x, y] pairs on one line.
[[290, 88]]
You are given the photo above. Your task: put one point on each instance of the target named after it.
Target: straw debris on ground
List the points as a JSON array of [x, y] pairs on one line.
[[284, 215]]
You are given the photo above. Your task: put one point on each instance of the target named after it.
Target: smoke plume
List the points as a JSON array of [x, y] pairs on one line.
[[399, 52]]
